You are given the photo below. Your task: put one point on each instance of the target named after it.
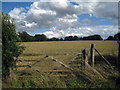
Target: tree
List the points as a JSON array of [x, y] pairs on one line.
[[110, 38], [0, 45], [80, 38], [9, 47], [93, 37], [54, 39], [61, 39], [40, 37], [117, 36], [69, 38], [75, 38], [25, 37]]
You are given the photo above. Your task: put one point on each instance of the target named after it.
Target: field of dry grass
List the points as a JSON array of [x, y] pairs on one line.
[[64, 47], [64, 51]]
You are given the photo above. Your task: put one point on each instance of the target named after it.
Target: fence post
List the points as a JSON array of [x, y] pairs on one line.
[[92, 55], [85, 55]]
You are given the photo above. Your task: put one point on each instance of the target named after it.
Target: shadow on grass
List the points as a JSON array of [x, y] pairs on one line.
[[111, 74], [113, 60]]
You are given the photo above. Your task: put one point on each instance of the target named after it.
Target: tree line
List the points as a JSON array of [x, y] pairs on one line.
[[25, 37]]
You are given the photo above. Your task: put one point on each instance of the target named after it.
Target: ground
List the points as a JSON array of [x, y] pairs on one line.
[[50, 73]]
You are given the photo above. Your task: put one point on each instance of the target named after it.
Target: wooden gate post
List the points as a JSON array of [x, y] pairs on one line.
[[85, 55], [92, 55]]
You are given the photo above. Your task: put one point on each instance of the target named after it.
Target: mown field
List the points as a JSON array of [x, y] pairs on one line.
[[64, 51], [63, 47]]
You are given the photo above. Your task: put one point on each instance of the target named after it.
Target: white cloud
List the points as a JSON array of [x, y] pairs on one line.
[[51, 34], [46, 14], [99, 9], [107, 10], [61, 16], [103, 30], [16, 13]]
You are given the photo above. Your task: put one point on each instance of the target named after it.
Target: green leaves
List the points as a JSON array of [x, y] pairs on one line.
[[9, 48]]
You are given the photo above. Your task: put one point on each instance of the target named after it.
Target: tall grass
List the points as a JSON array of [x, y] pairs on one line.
[[42, 80]]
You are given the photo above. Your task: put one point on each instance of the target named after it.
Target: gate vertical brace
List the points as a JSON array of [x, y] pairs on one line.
[[92, 55], [85, 56]]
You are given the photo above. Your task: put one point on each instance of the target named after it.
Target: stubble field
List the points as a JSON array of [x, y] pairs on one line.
[[67, 47]]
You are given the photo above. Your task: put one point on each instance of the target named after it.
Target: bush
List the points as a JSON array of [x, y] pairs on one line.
[[9, 47]]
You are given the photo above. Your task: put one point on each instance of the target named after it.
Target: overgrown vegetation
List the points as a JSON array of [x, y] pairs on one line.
[[9, 47], [43, 80]]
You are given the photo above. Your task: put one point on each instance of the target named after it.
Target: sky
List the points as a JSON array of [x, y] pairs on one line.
[[63, 18]]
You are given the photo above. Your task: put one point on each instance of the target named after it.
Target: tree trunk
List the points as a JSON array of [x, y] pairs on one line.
[[118, 80]]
